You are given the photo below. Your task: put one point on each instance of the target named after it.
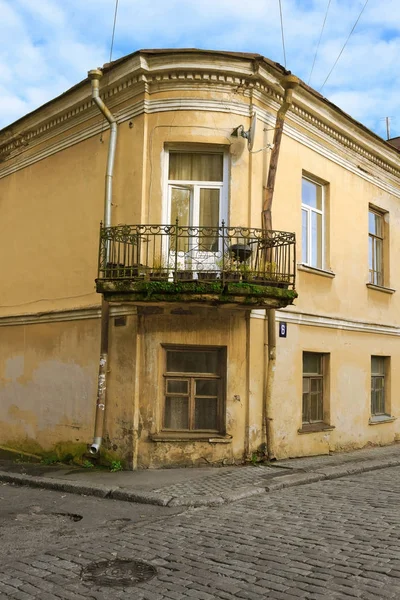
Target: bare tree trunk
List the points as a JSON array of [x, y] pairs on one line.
[[289, 82]]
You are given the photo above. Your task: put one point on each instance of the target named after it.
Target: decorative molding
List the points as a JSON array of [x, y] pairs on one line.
[[200, 78], [78, 314], [335, 323]]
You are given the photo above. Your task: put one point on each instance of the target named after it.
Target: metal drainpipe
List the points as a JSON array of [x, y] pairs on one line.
[[95, 75], [289, 83]]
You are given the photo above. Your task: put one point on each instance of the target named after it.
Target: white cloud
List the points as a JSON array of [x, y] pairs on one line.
[[48, 45]]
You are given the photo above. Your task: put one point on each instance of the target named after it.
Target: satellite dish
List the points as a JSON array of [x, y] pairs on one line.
[[250, 134]]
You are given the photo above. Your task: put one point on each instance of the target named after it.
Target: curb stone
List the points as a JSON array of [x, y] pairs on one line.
[[196, 501], [61, 485], [285, 481], [140, 497]]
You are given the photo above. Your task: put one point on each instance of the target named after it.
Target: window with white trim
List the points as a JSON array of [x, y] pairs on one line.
[[313, 223], [194, 389], [197, 192], [376, 228]]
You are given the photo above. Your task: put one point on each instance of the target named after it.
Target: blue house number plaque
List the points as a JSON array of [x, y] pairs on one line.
[[282, 329]]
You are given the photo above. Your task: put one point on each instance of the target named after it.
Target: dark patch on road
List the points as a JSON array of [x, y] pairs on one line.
[[117, 573]]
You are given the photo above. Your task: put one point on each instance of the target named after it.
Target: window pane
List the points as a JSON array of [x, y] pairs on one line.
[[312, 194], [304, 234], [306, 400], [206, 387], [209, 217], [316, 385], [377, 396], [371, 253], [378, 261], [192, 362], [375, 224], [177, 387], [180, 209], [377, 365], [316, 240], [316, 407], [206, 413], [176, 412], [180, 205], [195, 167], [312, 363]]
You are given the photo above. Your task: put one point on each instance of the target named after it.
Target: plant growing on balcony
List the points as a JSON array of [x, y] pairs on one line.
[[229, 266], [159, 270], [267, 274]]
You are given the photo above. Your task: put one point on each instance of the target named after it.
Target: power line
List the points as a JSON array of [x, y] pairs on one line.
[[340, 53], [283, 37], [319, 41], [111, 51], [113, 31]]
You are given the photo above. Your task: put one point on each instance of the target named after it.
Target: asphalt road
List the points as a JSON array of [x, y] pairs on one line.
[[332, 539]]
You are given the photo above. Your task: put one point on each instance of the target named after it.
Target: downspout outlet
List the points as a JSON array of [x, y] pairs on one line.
[[95, 447], [95, 74]]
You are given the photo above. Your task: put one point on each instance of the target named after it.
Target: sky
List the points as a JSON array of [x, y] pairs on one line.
[[49, 45]]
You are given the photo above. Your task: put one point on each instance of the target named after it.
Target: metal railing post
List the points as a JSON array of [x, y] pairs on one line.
[[176, 247], [101, 241], [223, 252]]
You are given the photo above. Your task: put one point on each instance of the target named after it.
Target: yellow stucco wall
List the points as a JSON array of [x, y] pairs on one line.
[[48, 383], [51, 211], [347, 395]]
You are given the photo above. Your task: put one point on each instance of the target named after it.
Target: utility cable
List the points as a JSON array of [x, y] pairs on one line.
[[344, 45], [319, 41], [113, 31], [283, 37], [111, 51]]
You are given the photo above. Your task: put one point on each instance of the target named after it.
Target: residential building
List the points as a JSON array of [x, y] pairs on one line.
[[190, 275]]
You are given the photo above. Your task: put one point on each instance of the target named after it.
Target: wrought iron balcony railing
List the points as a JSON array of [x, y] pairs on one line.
[[176, 253]]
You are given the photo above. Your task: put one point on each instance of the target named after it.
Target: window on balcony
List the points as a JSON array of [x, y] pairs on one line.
[[313, 223], [193, 394], [376, 229], [197, 194]]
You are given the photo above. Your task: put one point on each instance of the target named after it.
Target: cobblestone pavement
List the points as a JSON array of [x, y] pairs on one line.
[[219, 481], [198, 486], [336, 539]]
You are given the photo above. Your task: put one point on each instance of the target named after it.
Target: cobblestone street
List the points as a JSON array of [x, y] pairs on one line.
[[331, 539]]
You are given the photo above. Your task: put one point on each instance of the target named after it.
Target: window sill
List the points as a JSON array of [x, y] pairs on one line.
[[380, 288], [315, 270], [378, 419], [315, 427], [176, 436]]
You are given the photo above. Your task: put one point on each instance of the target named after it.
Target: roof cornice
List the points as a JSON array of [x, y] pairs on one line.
[[149, 71]]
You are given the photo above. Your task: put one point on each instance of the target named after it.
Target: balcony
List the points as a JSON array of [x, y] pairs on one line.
[[250, 268]]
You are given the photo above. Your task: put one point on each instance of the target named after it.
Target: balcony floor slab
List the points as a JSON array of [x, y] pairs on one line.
[[215, 293]]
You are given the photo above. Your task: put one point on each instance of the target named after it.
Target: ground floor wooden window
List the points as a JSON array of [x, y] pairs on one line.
[[313, 387], [379, 367], [194, 388]]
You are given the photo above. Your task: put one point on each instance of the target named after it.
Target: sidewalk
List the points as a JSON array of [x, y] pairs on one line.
[[203, 486]]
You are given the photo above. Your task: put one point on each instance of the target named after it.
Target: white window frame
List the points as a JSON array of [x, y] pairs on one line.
[[309, 210], [377, 276], [195, 186]]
